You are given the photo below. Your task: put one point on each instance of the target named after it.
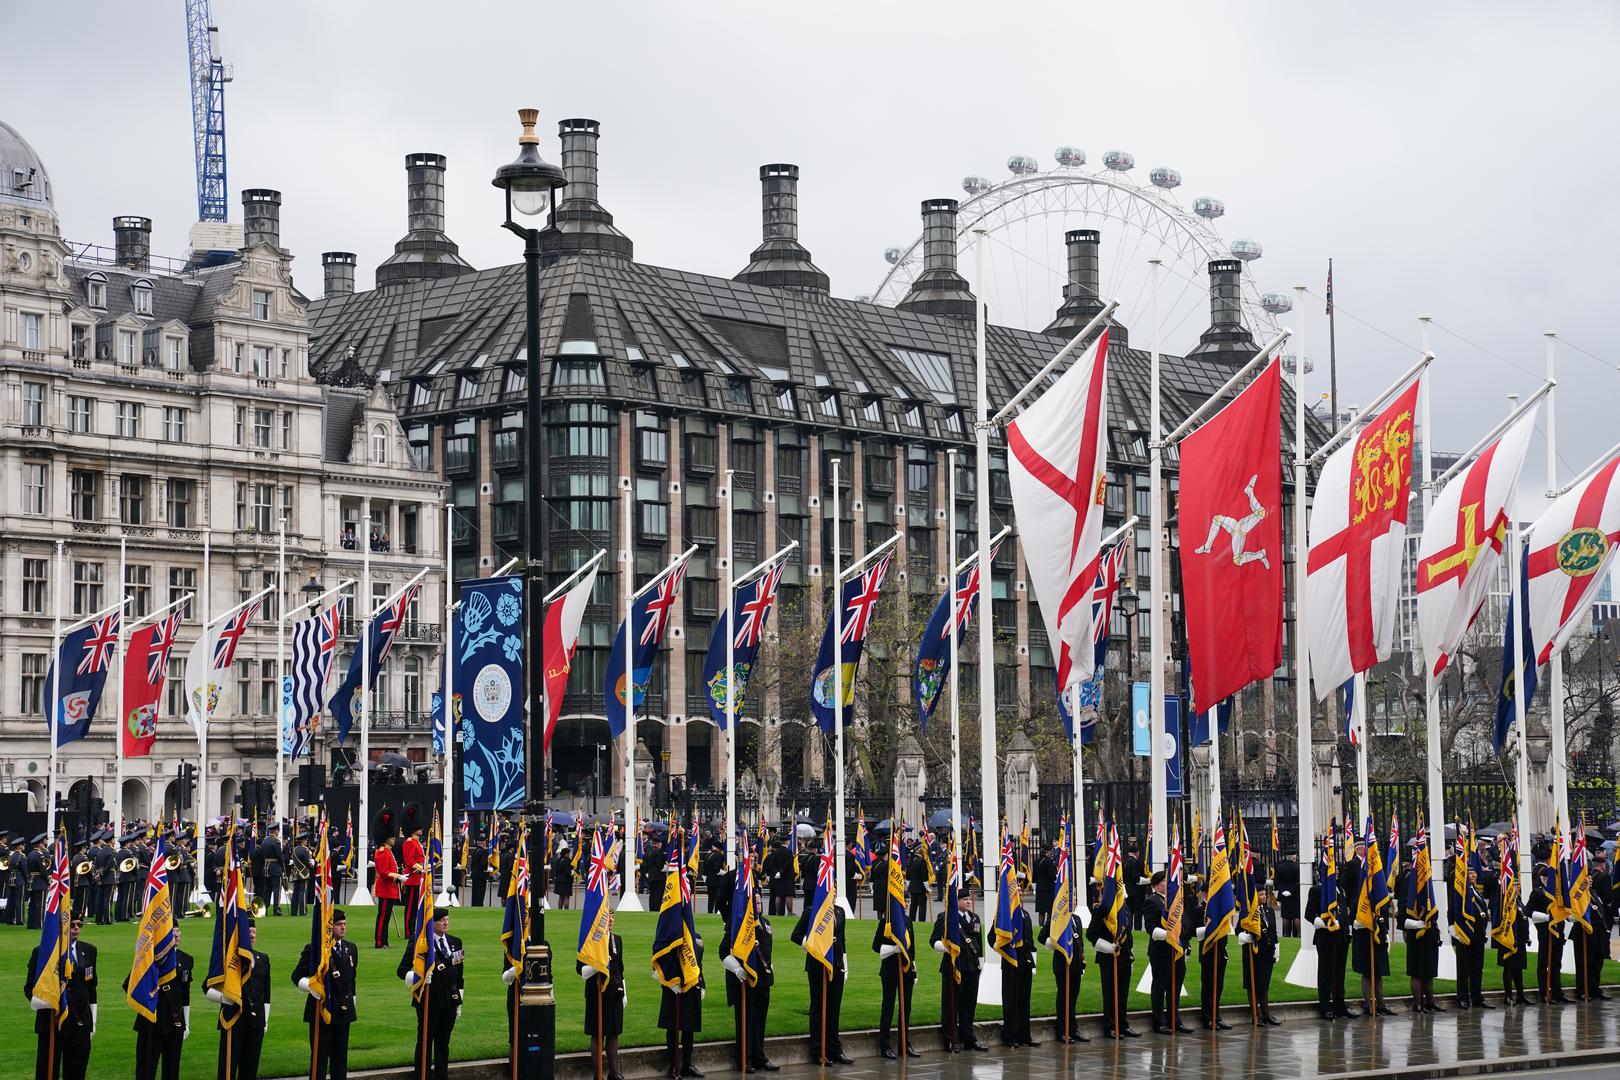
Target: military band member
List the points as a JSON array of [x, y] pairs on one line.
[[274, 868], [1067, 975], [329, 1039], [758, 995], [180, 878], [243, 1040], [960, 1000], [385, 889], [70, 1035], [889, 974], [1259, 957], [680, 1014], [36, 882], [442, 1000], [130, 876], [5, 876], [158, 1041], [826, 991], [300, 874]]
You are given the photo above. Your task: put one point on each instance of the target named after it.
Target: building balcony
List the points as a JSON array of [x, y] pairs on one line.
[[413, 630]]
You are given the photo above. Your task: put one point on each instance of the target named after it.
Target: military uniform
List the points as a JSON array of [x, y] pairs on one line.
[[1330, 949], [329, 1038], [442, 1002], [36, 884], [242, 1042], [17, 884], [1549, 940], [158, 1041], [959, 990], [1018, 984], [72, 1035], [301, 874], [271, 855], [826, 990], [897, 1000]]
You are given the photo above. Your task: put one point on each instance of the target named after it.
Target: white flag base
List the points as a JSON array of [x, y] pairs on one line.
[[1145, 986], [1085, 918], [1447, 967], [990, 980], [447, 899], [199, 895], [631, 902], [1303, 970], [362, 897], [849, 913]]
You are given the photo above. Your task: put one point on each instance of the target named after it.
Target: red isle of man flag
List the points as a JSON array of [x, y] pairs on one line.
[[1058, 468], [1568, 556], [1358, 530], [1463, 538]]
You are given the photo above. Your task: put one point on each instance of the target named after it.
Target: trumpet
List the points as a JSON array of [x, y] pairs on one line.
[[125, 867]]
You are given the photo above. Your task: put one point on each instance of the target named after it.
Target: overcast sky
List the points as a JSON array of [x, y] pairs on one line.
[[1455, 159]]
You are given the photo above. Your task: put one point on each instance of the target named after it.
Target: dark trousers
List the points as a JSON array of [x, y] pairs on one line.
[[1549, 964], [686, 1050], [1116, 977], [385, 908], [441, 1022], [36, 908], [917, 911], [958, 1001], [411, 898], [779, 904], [72, 1054], [331, 1051], [16, 901], [1260, 987], [834, 986], [1161, 990], [272, 896], [299, 898], [1330, 976], [245, 1043], [1470, 972], [1211, 981], [891, 991], [1066, 977], [157, 1052], [1014, 1005], [759, 1006]]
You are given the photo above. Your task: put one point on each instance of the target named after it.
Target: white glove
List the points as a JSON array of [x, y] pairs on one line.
[[703, 992], [1144, 881], [844, 965], [1318, 923], [589, 972], [624, 995], [939, 947], [92, 1019], [215, 996], [1538, 917], [1246, 938], [40, 1004], [1199, 933], [1161, 934], [1106, 948], [458, 1012], [187, 1033], [1412, 924], [1034, 963], [733, 965], [889, 950], [509, 976], [412, 978], [303, 984], [1285, 892]]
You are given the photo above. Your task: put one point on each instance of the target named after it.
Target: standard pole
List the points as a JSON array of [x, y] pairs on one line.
[[1520, 664], [629, 898], [280, 801], [118, 691], [1159, 804], [449, 896], [1303, 970], [1558, 759], [731, 688], [205, 710], [362, 894], [1359, 718], [53, 708], [1079, 870], [951, 624], [838, 689], [989, 793]]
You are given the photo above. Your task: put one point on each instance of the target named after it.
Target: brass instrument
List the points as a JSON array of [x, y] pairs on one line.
[[83, 868], [257, 907], [172, 862], [5, 863], [125, 867]]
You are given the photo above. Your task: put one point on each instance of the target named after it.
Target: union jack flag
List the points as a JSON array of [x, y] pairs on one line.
[[103, 639], [58, 883], [230, 636], [755, 610], [966, 595], [163, 637], [862, 604], [596, 876], [658, 607], [393, 620], [1105, 591]]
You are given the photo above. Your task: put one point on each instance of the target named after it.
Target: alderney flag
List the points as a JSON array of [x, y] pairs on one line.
[[145, 665], [1463, 537], [1058, 469], [1357, 535], [1231, 542], [1568, 556], [561, 635]]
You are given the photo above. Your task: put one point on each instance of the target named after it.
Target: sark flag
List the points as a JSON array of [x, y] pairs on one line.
[[379, 637], [1231, 541], [209, 664], [1463, 539], [146, 663], [1568, 556], [314, 647], [933, 666], [1357, 542], [858, 600], [649, 618], [745, 622], [84, 660], [594, 945], [155, 960], [1058, 469]]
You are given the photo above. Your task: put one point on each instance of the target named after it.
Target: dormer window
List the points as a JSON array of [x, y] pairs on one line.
[[95, 291], [261, 304], [140, 296], [420, 393], [379, 444]]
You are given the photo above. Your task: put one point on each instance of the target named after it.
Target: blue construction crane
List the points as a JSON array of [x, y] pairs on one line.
[[208, 78]]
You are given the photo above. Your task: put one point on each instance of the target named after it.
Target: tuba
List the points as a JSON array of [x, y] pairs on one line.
[[257, 907], [125, 867], [173, 861], [82, 869]]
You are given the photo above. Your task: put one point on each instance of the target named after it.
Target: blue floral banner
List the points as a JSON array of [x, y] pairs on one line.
[[487, 693]]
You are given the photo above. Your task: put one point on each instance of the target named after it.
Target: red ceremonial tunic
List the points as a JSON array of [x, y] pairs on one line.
[[386, 888]]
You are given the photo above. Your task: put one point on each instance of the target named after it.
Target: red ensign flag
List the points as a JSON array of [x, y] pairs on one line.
[[1231, 542]]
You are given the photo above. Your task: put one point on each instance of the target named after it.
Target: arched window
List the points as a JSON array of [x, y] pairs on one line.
[[379, 445], [140, 295]]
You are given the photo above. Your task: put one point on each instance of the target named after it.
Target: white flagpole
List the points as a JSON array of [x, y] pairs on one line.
[[629, 898], [448, 896], [205, 712], [1303, 970], [1359, 718], [1521, 662], [1079, 871], [280, 801], [731, 689], [1159, 805], [118, 691], [1558, 759], [53, 707], [838, 693], [989, 792], [362, 895], [951, 623]]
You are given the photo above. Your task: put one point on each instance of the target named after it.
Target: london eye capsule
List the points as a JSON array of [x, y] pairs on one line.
[[1247, 250], [1070, 157], [976, 185], [1165, 178], [1119, 161], [1277, 303], [1208, 207], [893, 255], [1022, 165]]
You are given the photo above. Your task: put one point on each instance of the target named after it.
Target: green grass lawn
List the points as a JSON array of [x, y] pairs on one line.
[[386, 1024]]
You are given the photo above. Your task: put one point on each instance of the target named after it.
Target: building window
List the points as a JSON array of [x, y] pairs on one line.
[[458, 454], [33, 684], [174, 423], [79, 341], [89, 587], [466, 387], [175, 686], [35, 577], [262, 421], [287, 506], [141, 296], [126, 347], [182, 580], [261, 361], [96, 293], [517, 380], [132, 499], [253, 506], [173, 356], [584, 433], [583, 499], [413, 684], [84, 504], [261, 304], [238, 351], [244, 687], [240, 425], [128, 419], [28, 324], [138, 587], [286, 430], [81, 420], [181, 494], [379, 444], [33, 488], [33, 414], [286, 362], [577, 373]]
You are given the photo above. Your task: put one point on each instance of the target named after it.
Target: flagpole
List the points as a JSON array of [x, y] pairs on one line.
[[118, 691], [1359, 718], [1159, 801], [989, 793], [362, 895], [204, 709], [1080, 884], [731, 679], [838, 686], [53, 707], [1303, 970], [449, 896], [951, 624], [280, 801], [1558, 759], [629, 899], [1516, 618]]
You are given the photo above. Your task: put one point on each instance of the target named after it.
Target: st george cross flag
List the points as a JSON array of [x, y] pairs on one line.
[[146, 663], [933, 664], [1463, 540], [83, 661], [1357, 540], [649, 619], [314, 647], [561, 636], [1058, 467], [209, 662], [1231, 541], [379, 636], [750, 610], [1567, 558], [859, 597]]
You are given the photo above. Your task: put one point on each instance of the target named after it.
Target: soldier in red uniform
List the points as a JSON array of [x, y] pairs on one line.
[[386, 888], [413, 864]]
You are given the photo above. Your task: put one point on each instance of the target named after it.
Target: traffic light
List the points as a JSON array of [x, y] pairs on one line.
[[188, 782]]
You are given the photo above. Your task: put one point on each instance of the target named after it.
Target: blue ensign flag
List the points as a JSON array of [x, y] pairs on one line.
[[649, 619]]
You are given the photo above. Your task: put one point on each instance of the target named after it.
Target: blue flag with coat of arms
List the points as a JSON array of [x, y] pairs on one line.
[[858, 600]]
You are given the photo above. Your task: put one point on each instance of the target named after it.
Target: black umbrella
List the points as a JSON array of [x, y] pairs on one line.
[[393, 757]]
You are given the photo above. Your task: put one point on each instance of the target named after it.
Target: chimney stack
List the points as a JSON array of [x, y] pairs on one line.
[[581, 226], [939, 289], [132, 240], [780, 261], [425, 252], [1082, 294], [338, 266], [261, 217], [1226, 340]]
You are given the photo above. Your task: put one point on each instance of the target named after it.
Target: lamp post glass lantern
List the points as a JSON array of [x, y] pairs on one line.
[[531, 185]]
